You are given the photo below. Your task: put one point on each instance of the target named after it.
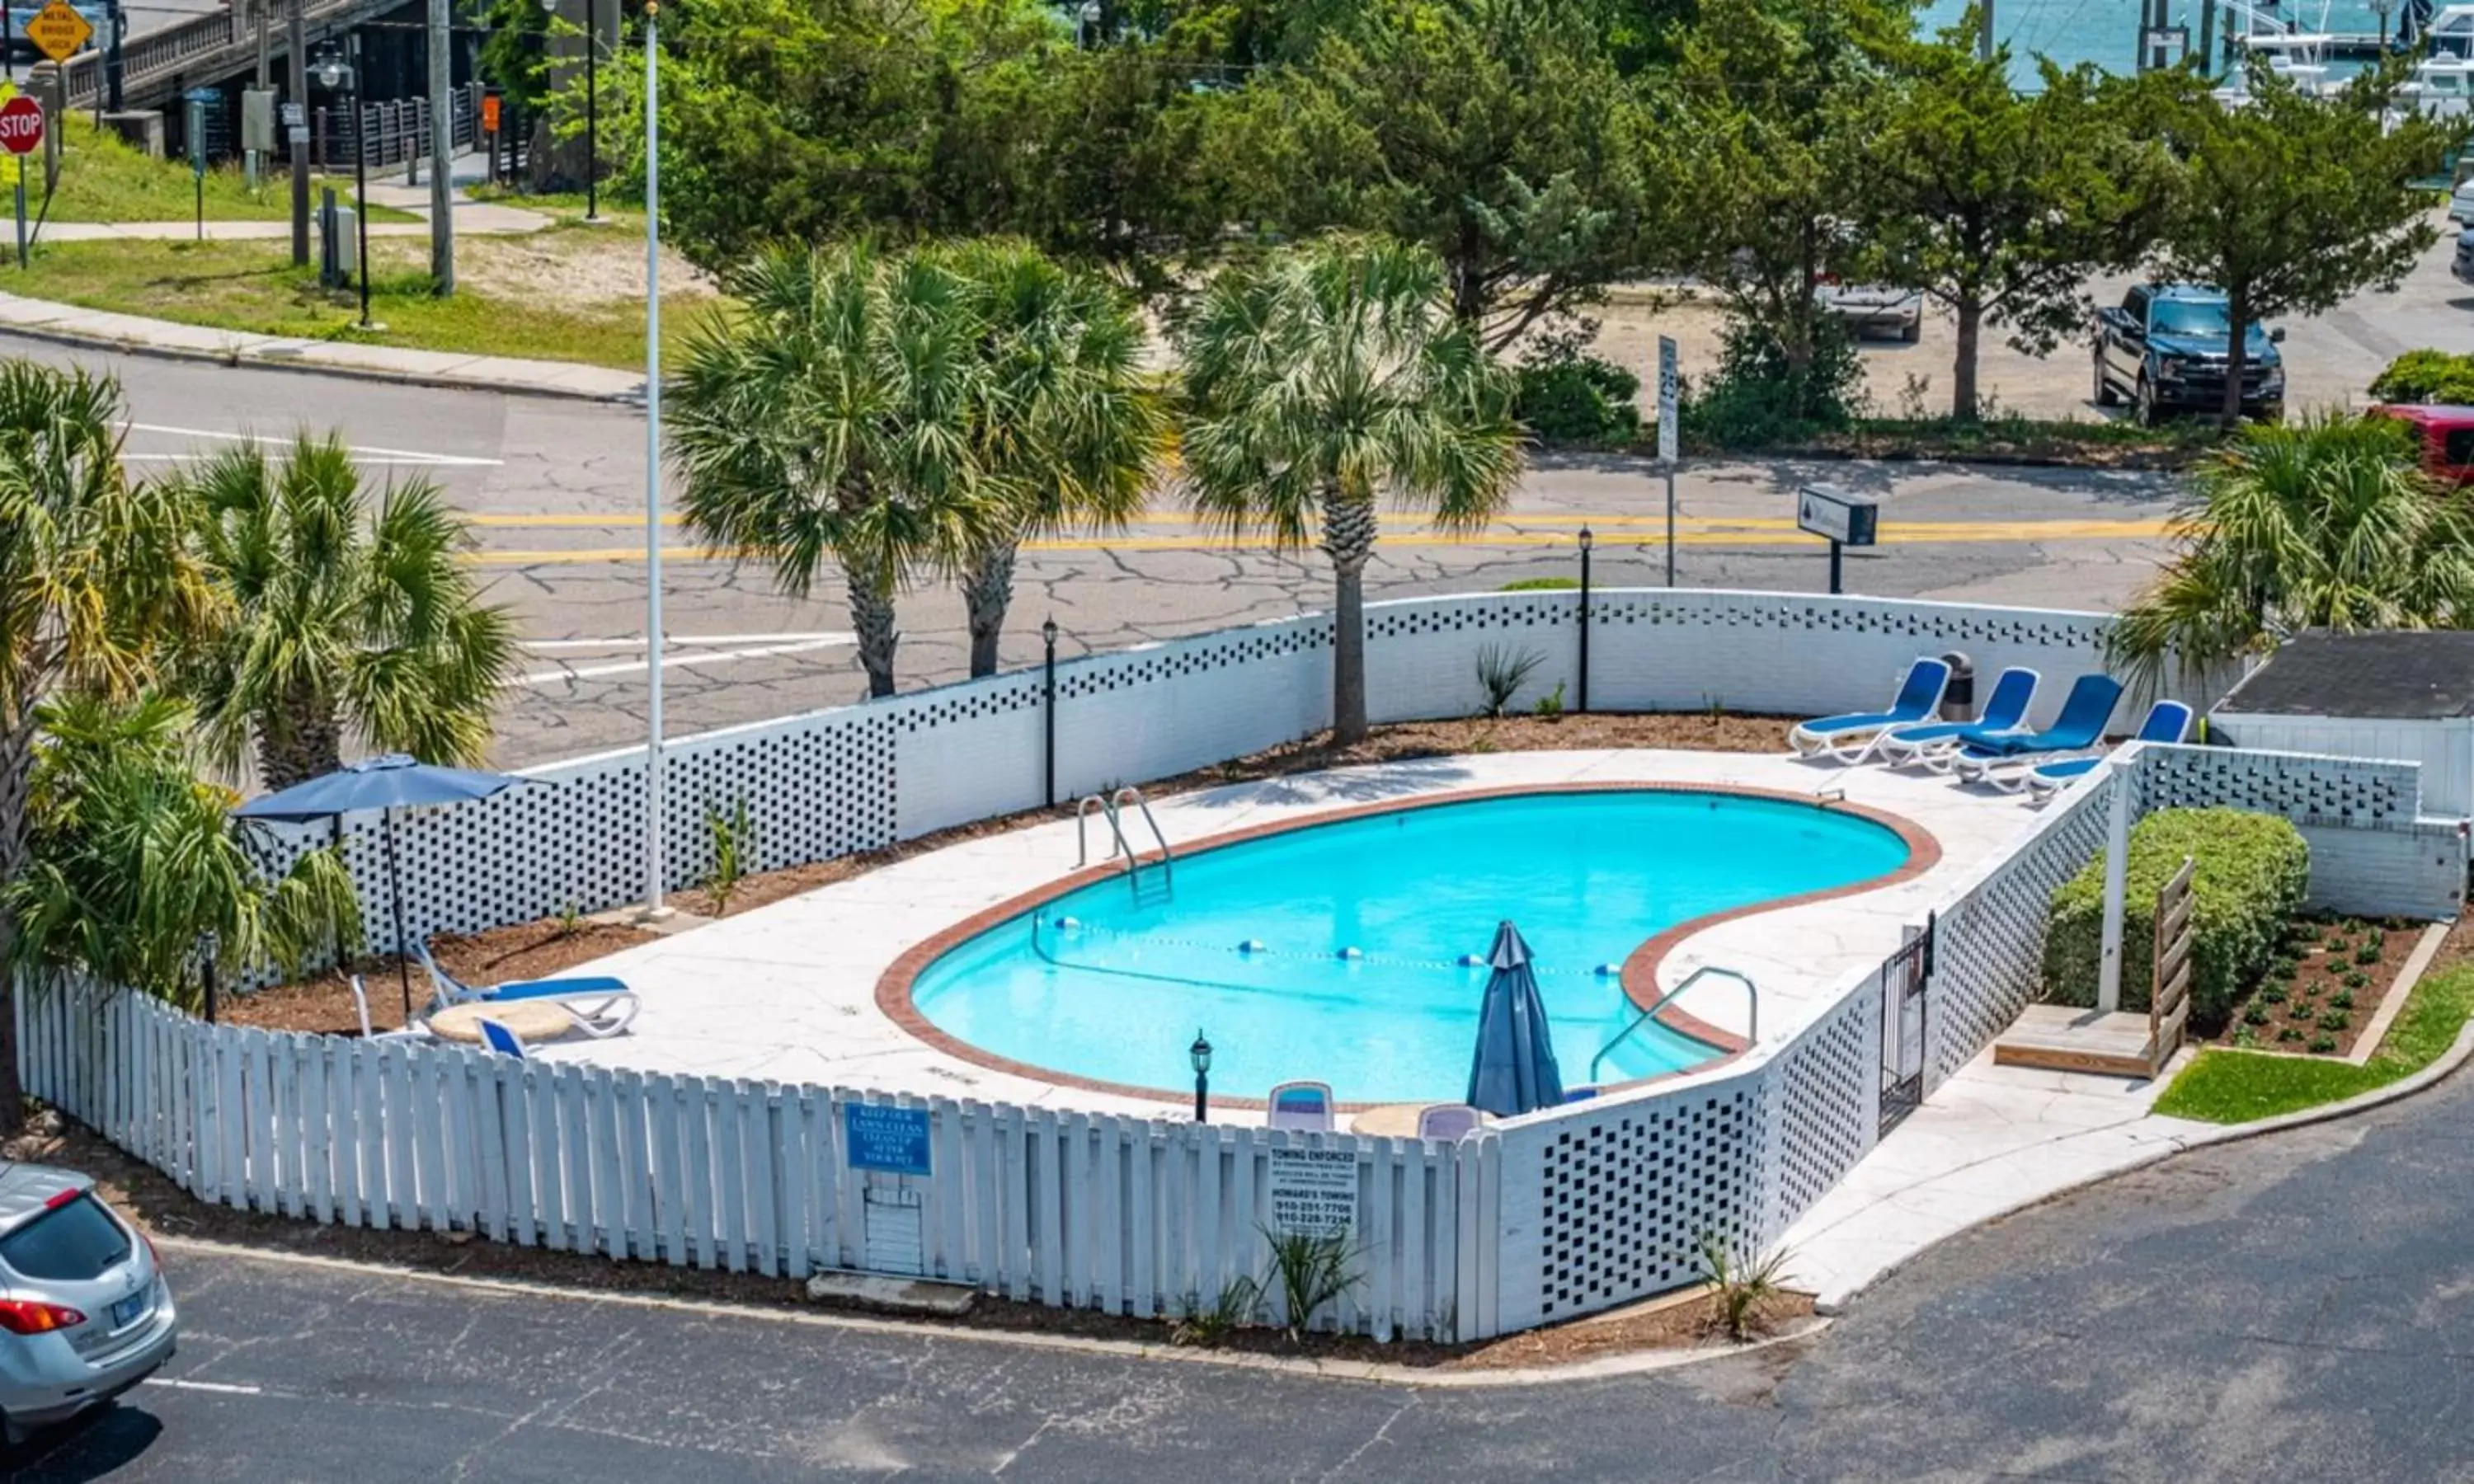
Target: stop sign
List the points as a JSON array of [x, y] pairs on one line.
[[21, 124]]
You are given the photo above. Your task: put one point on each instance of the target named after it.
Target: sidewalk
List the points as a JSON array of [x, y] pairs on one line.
[[94, 328]]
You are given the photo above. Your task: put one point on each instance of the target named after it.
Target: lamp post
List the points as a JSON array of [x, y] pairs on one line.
[[206, 943], [1200, 1053], [1048, 635], [591, 107], [655, 873], [346, 76], [1587, 541]]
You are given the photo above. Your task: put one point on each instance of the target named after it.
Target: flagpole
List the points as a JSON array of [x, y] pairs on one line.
[[654, 880]]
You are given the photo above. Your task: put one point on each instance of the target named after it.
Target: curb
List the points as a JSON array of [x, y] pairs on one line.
[[2455, 1056], [1376, 1373], [240, 357]]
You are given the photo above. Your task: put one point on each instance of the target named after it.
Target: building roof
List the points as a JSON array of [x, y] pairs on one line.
[[2423, 675]]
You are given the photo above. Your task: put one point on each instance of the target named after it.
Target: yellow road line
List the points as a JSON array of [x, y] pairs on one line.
[[546, 521], [1959, 533]]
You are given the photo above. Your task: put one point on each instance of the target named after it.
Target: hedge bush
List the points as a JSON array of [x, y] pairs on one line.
[[2252, 871], [1568, 398], [2427, 376]]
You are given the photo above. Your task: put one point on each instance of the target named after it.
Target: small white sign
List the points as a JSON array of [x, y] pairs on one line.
[[1671, 396], [1313, 1191]]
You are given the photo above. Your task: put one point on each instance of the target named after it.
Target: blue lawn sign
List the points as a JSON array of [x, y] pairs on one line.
[[891, 1139]]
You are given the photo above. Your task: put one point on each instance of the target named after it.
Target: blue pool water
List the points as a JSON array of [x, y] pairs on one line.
[[2106, 32], [1588, 878]]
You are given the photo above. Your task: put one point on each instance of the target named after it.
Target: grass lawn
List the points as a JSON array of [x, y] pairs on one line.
[[253, 287], [104, 179], [2237, 1087]]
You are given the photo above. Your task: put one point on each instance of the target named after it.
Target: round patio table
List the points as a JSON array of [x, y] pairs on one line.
[[534, 1021]]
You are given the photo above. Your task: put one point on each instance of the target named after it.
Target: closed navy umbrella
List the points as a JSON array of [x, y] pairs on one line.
[[385, 785], [1514, 1071]]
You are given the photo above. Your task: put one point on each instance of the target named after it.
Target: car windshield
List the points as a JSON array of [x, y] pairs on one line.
[[72, 1242], [2198, 316]]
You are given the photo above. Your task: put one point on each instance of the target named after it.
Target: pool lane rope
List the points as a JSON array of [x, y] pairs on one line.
[[1256, 949]]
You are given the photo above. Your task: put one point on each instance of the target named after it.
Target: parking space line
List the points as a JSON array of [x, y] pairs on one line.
[[673, 662], [387, 455], [225, 1388]]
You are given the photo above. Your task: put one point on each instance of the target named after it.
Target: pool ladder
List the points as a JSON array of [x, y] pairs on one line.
[[1752, 1024], [1112, 808]]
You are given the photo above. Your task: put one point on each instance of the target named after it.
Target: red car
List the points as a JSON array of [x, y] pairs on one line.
[[2447, 438]]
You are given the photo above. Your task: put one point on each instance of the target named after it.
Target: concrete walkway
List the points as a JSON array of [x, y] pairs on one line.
[[478, 218]]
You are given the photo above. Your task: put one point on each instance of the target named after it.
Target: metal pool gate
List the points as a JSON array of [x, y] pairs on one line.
[[1904, 977]]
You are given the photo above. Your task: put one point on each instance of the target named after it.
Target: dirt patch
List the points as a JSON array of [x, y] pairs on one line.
[[583, 266], [323, 1002], [2328, 982], [1693, 731], [163, 1209]]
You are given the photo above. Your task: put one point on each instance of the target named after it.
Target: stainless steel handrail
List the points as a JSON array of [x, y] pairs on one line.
[[1752, 1024], [1112, 807], [1082, 830], [1168, 874]]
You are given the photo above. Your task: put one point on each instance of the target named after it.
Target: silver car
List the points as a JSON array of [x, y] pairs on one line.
[[1873, 308], [85, 1313]]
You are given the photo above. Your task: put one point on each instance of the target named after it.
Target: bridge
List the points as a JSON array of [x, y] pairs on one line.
[[158, 66]]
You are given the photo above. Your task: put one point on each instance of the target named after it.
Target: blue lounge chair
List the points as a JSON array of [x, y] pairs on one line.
[[498, 1038], [2081, 725], [601, 1005], [1302, 1105], [2005, 710], [2168, 720], [1844, 737]]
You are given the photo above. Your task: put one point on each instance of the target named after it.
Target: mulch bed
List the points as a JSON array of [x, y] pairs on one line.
[[323, 1002], [163, 1209], [2328, 981]]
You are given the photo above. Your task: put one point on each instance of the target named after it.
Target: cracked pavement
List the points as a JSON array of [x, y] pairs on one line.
[[2293, 1308], [558, 488]]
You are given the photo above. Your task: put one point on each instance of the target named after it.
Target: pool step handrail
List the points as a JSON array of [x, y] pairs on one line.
[[1751, 1023], [1111, 806]]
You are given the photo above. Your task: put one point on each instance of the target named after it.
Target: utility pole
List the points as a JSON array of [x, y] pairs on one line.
[[442, 150], [296, 138], [1984, 32]]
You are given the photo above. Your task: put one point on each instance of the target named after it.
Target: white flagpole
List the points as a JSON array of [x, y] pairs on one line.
[[654, 880]]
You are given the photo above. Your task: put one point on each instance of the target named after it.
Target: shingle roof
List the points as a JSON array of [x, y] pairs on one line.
[[2423, 675]]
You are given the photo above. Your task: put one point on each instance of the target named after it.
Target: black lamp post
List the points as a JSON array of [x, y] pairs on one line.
[[346, 77], [206, 943], [1048, 635], [1587, 541], [1200, 1055]]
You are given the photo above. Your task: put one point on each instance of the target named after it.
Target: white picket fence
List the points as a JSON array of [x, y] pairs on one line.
[[1089, 1211]]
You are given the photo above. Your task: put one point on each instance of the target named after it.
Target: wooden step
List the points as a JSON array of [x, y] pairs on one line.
[[2063, 1038]]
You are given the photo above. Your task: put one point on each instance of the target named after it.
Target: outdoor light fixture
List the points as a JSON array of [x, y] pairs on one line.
[[1200, 1053], [1582, 700], [1048, 635], [591, 107]]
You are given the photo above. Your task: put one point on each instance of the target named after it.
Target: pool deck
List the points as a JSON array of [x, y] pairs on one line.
[[788, 992]]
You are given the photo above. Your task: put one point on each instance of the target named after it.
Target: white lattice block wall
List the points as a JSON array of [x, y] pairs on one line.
[[1826, 1102], [1422, 657], [1606, 1203], [1164, 708], [969, 752], [2417, 871]]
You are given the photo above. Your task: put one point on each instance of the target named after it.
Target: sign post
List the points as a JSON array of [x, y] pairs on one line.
[[1670, 398], [21, 133], [196, 121], [1841, 516]]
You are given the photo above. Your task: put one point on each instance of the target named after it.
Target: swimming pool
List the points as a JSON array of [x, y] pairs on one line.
[[1250, 942]]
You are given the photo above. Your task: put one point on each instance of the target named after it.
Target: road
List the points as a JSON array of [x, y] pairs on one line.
[[2290, 1309], [556, 491]]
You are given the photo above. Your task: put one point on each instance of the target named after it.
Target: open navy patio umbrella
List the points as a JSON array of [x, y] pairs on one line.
[[1514, 1070], [385, 785]]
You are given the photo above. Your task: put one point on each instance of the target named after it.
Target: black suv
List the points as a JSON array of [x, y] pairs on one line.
[[2165, 346]]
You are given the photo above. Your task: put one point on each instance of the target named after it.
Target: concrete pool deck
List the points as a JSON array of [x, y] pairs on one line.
[[786, 992]]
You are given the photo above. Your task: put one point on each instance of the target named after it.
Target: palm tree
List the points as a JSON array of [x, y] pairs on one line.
[[2323, 524], [1329, 376], [832, 418], [131, 859], [1070, 432], [96, 580], [341, 618]]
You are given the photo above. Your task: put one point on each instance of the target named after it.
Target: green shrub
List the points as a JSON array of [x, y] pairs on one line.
[[1758, 398], [2427, 376], [2252, 869], [1568, 398]]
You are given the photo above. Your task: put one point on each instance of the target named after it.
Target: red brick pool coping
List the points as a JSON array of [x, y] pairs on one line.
[[1639, 976]]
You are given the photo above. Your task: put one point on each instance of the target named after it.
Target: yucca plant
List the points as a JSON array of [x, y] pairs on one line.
[[1743, 1286], [1502, 672], [351, 611], [732, 834], [1311, 1270], [131, 859]]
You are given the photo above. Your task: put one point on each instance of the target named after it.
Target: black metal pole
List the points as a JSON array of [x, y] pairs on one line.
[[1833, 567], [1203, 1097], [1049, 702], [395, 890], [111, 60], [361, 191], [207, 980], [1585, 619]]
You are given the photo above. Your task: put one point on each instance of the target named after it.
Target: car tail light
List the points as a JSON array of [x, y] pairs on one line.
[[26, 1316]]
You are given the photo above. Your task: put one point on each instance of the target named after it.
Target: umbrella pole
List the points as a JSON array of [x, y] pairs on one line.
[[395, 890]]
